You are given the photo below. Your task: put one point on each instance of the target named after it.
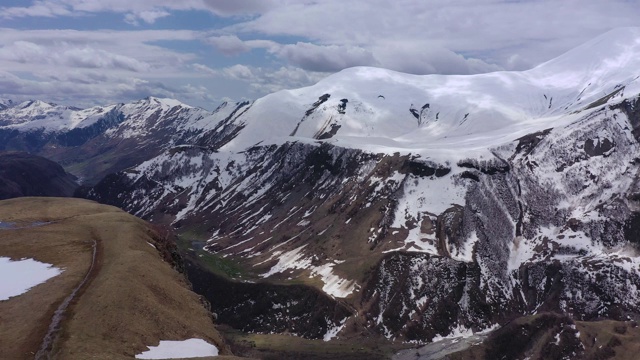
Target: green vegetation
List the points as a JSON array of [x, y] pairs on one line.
[[190, 244], [219, 265]]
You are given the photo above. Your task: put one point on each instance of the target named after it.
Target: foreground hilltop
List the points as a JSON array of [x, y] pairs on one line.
[[133, 296]]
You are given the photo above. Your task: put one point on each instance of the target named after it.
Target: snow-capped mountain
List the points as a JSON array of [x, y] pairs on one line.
[[385, 111], [97, 141], [422, 205]]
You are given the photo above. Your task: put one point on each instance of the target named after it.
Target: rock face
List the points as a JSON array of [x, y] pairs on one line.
[[505, 195], [518, 239], [23, 174]]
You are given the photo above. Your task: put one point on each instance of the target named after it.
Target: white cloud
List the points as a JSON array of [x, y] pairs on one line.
[[229, 44], [264, 80], [146, 10], [424, 58], [205, 69], [148, 16], [487, 30], [239, 72], [239, 7], [68, 49], [72, 57], [38, 9], [327, 58], [88, 67]]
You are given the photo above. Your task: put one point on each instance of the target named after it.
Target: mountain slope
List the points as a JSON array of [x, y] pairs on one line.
[[23, 174]]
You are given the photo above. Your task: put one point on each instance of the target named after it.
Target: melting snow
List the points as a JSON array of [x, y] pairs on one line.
[[332, 332], [293, 259], [191, 348], [466, 252], [17, 277], [334, 285], [462, 332]]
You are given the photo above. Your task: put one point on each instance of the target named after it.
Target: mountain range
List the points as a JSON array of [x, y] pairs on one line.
[[411, 207]]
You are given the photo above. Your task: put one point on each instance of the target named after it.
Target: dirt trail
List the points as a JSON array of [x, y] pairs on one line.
[[59, 315]]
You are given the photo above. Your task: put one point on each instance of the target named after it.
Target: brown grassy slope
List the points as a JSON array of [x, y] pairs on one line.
[[135, 299], [24, 319]]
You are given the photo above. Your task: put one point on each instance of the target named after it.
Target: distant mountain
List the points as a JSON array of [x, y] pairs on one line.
[[423, 206], [94, 142], [23, 174]]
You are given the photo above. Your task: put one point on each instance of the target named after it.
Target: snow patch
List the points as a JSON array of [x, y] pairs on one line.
[[333, 331], [293, 259], [17, 277], [465, 253], [334, 285], [191, 348]]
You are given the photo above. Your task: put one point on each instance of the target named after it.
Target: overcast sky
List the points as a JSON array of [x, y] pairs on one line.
[[87, 52]]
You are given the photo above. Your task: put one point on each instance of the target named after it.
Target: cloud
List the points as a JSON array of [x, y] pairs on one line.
[[239, 7], [92, 88], [486, 30], [423, 58], [146, 10], [97, 67], [239, 72], [229, 44], [38, 9], [328, 58], [148, 16], [265, 80], [301, 41], [67, 49], [205, 69], [70, 56]]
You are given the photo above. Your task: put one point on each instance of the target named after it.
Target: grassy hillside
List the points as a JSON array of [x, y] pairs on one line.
[[133, 298]]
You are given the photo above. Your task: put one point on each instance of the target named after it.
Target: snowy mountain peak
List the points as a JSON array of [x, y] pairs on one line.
[[35, 105], [602, 51], [164, 102], [386, 111], [6, 103]]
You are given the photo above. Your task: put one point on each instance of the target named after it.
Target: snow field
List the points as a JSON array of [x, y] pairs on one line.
[[191, 348]]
